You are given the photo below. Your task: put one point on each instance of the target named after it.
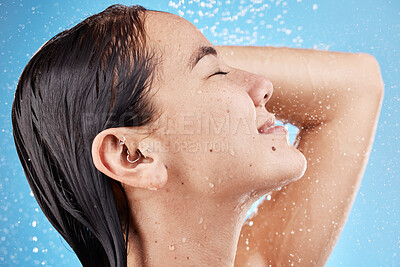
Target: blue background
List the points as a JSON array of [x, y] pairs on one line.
[[371, 236]]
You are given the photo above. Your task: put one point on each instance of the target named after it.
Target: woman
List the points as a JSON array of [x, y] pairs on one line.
[[145, 145]]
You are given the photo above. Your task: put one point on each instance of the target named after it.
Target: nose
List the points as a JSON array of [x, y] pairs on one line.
[[259, 88]]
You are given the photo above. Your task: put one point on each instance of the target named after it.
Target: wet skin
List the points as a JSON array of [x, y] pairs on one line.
[[187, 206]]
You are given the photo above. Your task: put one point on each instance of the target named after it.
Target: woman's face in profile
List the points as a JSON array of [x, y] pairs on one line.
[[211, 114]]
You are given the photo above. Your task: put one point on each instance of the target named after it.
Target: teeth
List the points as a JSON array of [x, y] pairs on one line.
[[261, 130], [270, 121]]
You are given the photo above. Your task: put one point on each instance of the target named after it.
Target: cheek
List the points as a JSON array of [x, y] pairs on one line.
[[220, 112], [236, 105], [217, 117]]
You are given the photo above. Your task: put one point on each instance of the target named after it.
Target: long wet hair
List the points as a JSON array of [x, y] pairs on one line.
[[84, 80]]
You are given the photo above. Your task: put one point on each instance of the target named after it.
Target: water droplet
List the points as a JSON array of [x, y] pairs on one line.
[[211, 185], [231, 152], [268, 197], [199, 91], [201, 221], [171, 247], [183, 239]]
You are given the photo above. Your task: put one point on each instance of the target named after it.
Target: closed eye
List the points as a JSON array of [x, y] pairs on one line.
[[219, 73]]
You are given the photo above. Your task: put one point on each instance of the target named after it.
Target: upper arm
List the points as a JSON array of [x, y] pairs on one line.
[[302, 222]]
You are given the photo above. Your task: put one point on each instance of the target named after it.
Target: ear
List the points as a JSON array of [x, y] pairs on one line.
[[110, 157]]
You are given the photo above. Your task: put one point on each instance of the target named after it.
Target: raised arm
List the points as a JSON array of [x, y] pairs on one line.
[[335, 99]]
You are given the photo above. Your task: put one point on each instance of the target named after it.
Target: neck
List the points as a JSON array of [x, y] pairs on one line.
[[184, 230]]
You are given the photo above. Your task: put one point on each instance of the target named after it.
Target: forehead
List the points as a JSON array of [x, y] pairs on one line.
[[173, 37]]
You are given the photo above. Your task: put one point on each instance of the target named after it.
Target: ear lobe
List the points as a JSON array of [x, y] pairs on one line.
[[110, 157]]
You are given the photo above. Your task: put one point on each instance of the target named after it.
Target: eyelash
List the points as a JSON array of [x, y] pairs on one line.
[[220, 73]]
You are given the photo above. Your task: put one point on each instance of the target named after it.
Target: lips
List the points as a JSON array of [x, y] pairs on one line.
[[269, 127], [269, 122], [275, 130]]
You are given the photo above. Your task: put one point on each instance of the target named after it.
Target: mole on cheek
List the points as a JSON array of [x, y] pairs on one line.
[[273, 148]]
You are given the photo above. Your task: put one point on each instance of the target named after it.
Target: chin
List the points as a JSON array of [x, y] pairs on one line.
[[289, 167], [295, 167]]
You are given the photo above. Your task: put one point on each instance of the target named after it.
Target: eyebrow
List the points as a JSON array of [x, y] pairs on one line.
[[200, 53]]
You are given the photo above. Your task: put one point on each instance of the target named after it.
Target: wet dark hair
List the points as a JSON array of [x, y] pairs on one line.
[[84, 80]]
